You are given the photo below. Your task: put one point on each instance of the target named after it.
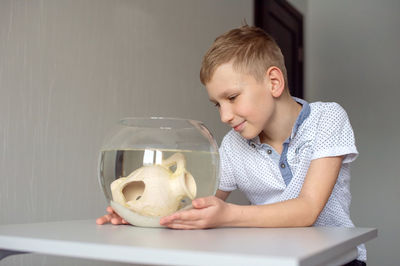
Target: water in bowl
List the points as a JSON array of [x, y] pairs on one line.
[[202, 165]]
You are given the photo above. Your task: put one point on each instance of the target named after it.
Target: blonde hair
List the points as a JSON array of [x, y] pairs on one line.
[[251, 50]]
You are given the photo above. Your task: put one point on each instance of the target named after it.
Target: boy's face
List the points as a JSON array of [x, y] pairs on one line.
[[244, 103]]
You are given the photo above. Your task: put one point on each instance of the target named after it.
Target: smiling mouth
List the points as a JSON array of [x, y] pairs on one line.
[[239, 127]]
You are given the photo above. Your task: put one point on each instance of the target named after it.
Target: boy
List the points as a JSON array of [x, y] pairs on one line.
[[290, 158]]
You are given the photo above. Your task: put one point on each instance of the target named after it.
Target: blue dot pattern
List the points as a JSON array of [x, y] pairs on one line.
[[265, 176]]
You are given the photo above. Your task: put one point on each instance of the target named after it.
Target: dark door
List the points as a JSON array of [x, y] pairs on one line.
[[285, 24]]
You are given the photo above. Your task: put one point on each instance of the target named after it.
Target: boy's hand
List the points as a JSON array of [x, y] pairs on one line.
[[111, 217], [207, 212]]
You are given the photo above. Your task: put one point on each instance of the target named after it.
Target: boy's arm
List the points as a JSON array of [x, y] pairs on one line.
[[301, 211]]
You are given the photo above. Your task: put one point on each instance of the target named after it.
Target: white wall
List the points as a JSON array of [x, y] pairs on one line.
[[352, 57], [69, 70]]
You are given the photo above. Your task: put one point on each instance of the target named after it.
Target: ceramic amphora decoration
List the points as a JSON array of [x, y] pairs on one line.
[[152, 167]]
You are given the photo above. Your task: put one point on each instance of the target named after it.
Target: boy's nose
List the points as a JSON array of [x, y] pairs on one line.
[[226, 114]]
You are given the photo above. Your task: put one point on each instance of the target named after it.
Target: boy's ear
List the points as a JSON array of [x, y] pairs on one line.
[[276, 81]]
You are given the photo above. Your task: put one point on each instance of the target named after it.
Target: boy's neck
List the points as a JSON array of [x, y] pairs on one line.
[[281, 125]]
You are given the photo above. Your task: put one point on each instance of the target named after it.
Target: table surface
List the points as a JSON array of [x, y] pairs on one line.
[[161, 246]]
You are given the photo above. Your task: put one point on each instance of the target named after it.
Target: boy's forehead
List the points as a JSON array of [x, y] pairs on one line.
[[225, 69], [228, 73], [224, 83]]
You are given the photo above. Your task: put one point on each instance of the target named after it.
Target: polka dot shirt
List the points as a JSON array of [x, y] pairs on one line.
[[265, 176]]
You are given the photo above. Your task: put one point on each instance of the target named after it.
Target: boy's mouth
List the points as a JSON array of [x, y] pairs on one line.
[[239, 127]]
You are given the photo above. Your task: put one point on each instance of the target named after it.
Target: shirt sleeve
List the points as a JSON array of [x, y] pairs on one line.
[[227, 181], [335, 135]]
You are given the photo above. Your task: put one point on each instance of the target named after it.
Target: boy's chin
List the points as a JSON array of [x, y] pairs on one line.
[[248, 135]]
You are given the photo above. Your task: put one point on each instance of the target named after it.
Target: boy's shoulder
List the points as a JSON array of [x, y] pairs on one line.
[[326, 111], [321, 107], [323, 116], [233, 138], [330, 132]]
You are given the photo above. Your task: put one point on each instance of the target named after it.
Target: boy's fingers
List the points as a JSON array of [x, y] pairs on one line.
[[204, 202], [181, 226], [107, 218], [186, 224], [116, 220], [110, 210], [191, 215], [166, 220], [169, 219], [100, 220], [103, 220], [111, 217], [181, 217]]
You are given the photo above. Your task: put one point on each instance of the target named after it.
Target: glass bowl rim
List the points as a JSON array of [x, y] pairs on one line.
[[155, 118]]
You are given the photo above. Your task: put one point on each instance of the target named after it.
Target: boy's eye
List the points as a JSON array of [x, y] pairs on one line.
[[216, 105], [232, 98]]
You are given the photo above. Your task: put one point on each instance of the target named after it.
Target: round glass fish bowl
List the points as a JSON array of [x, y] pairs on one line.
[[153, 167]]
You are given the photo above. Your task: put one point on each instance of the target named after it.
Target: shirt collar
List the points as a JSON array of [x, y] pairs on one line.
[[304, 113]]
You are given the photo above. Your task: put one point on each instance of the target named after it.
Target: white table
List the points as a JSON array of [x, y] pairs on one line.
[[160, 246]]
